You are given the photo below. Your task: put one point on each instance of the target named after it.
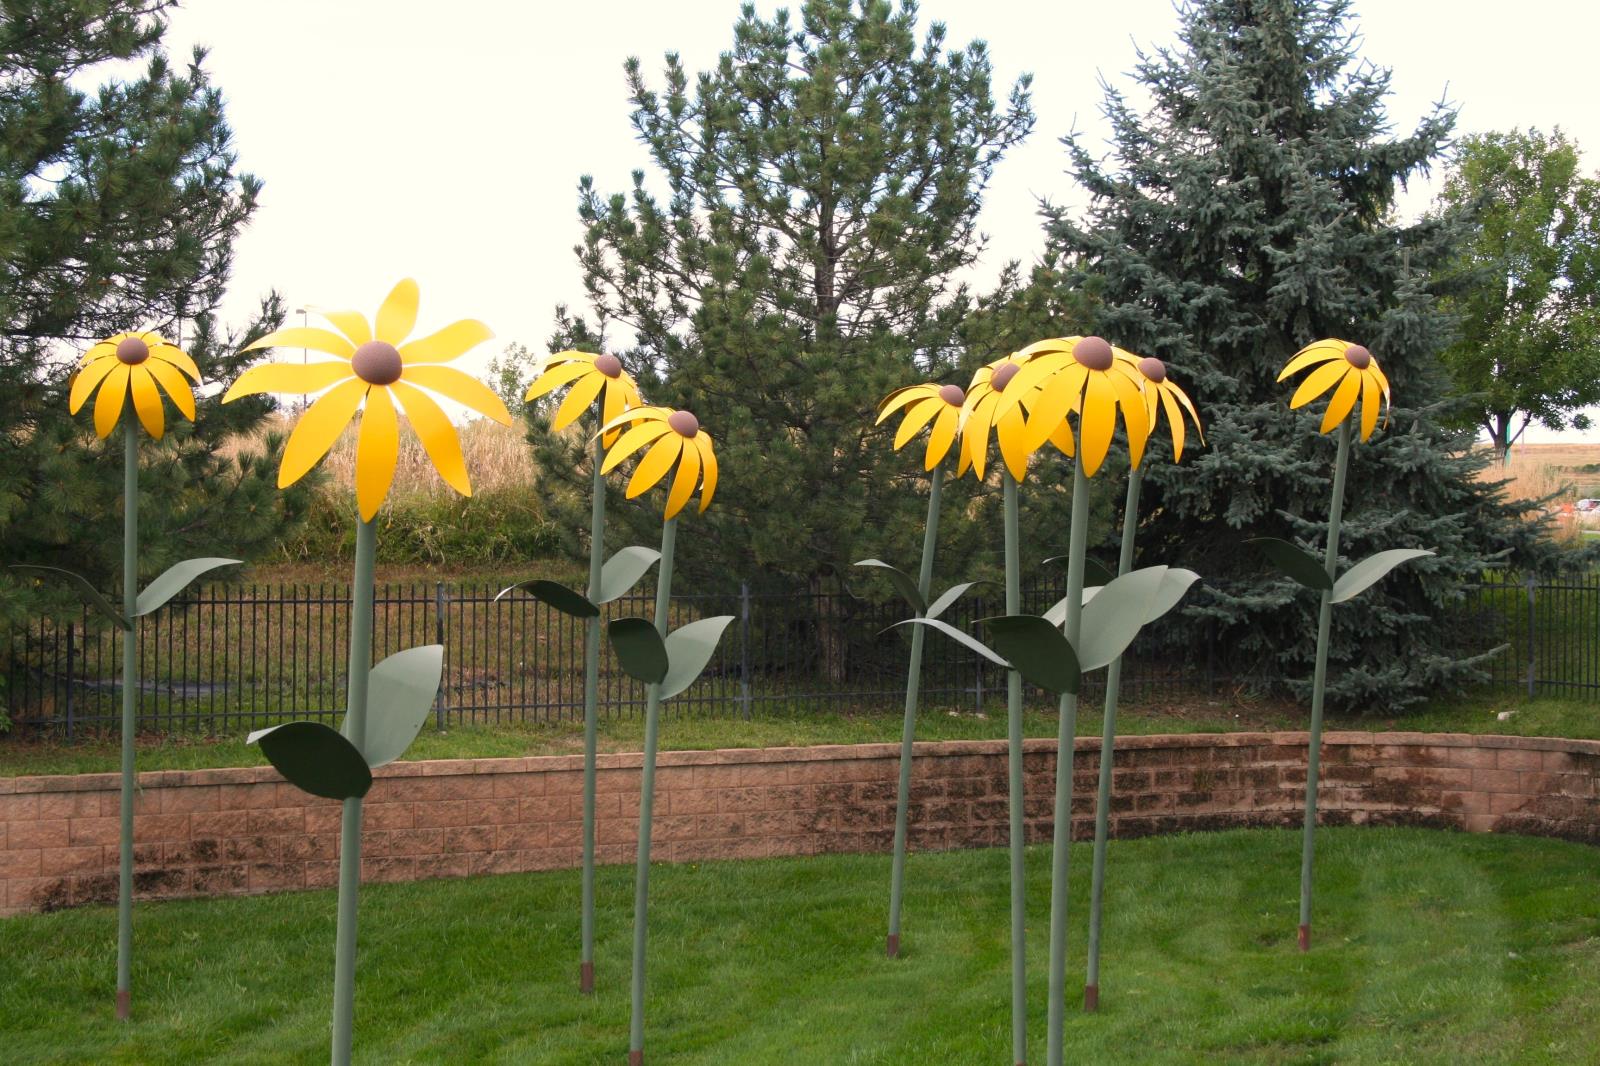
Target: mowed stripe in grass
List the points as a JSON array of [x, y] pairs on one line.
[[1429, 948]]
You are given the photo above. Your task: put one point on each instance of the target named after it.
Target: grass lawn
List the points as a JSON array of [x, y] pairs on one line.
[[1560, 718], [1430, 948]]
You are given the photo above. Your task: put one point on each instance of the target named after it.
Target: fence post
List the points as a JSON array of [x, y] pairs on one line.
[[1533, 673], [744, 647], [71, 673], [438, 636]]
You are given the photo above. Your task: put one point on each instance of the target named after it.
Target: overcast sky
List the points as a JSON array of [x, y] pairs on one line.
[[445, 141]]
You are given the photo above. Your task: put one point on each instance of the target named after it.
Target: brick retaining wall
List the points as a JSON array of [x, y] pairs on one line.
[[240, 831]]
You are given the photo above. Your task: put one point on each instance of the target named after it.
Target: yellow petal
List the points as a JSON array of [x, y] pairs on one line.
[[579, 399], [98, 350], [1317, 382], [318, 340], [975, 430], [352, 324], [899, 398], [85, 380], [108, 405], [708, 463], [377, 451], [630, 442], [469, 391], [168, 353], [1063, 440], [175, 383], [447, 344], [297, 378], [1029, 378], [1049, 344], [1012, 430], [1316, 352], [1098, 422], [397, 315], [555, 377], [943, 435], [1058, 396], [1131, 399], [657, 461], [687, 477], [917, 416], [612, 404], [1371, 397], [439, 439], [1343, 399], [1174, 421], [1169, 390], [1377, 371], [146, 401], [318, 428]]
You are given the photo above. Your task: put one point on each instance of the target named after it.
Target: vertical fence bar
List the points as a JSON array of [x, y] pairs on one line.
[[1529, 582]]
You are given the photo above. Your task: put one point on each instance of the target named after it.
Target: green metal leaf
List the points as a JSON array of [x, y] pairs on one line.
[[1114, 617], [557, 595], [1369, 571], [1295, 562], [400, 693], [623, 570], [315, 758], [1173, 586], [640, 649], [902, 583], [948, 597], [1095, 574], [1037, 650], [689, 648], [86, 592], [968, 642], [1057, 615], [174, 580]]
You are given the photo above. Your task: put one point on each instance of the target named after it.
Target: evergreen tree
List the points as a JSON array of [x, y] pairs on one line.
[[1248, 212], [118, 209], [790, 259], [1526, 284]]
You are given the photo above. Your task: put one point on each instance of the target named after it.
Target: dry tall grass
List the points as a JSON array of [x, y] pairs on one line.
[[498, 457], [1567, 472]]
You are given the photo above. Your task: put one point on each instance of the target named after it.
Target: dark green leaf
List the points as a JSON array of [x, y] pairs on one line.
[[1094, 573], [902, 583], [640, 650], [86, 592], [174, 580], [557, 595], [315, 758], [689, 648], [1036, 649], [1295, 562]]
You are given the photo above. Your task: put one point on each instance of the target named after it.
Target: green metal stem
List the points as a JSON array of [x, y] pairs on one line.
[[591, 696], [355, 730], [897, 876], [130, 696], [1019, 925], [647, 784], [1065, 741], [1318, 686], [1108, 739]]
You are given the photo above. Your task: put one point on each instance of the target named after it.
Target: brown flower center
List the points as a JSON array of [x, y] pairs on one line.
[[952, 395], [133, 350], [1093, 352], [1153, 369], [377, 363], [1002, 376], [684, 423], [609, 365], [1358, 357]]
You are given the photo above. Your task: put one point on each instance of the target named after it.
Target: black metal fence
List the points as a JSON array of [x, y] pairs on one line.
[[1550, 627], [228, 658]]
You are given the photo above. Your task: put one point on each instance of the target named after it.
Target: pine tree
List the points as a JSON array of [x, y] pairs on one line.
[[1248, 212], [118, 209], [790, 259]]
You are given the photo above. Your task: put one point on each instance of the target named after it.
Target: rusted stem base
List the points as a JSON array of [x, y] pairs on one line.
[[1091, 998], [892, 945], [1305, 938], [636, 1058], [124, 1004], [586, 978]]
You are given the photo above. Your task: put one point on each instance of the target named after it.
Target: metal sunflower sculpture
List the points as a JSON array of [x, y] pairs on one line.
[[375, 369], [1351, 373], [670, 443], [938, 409], [122, 372], [597, 383]]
